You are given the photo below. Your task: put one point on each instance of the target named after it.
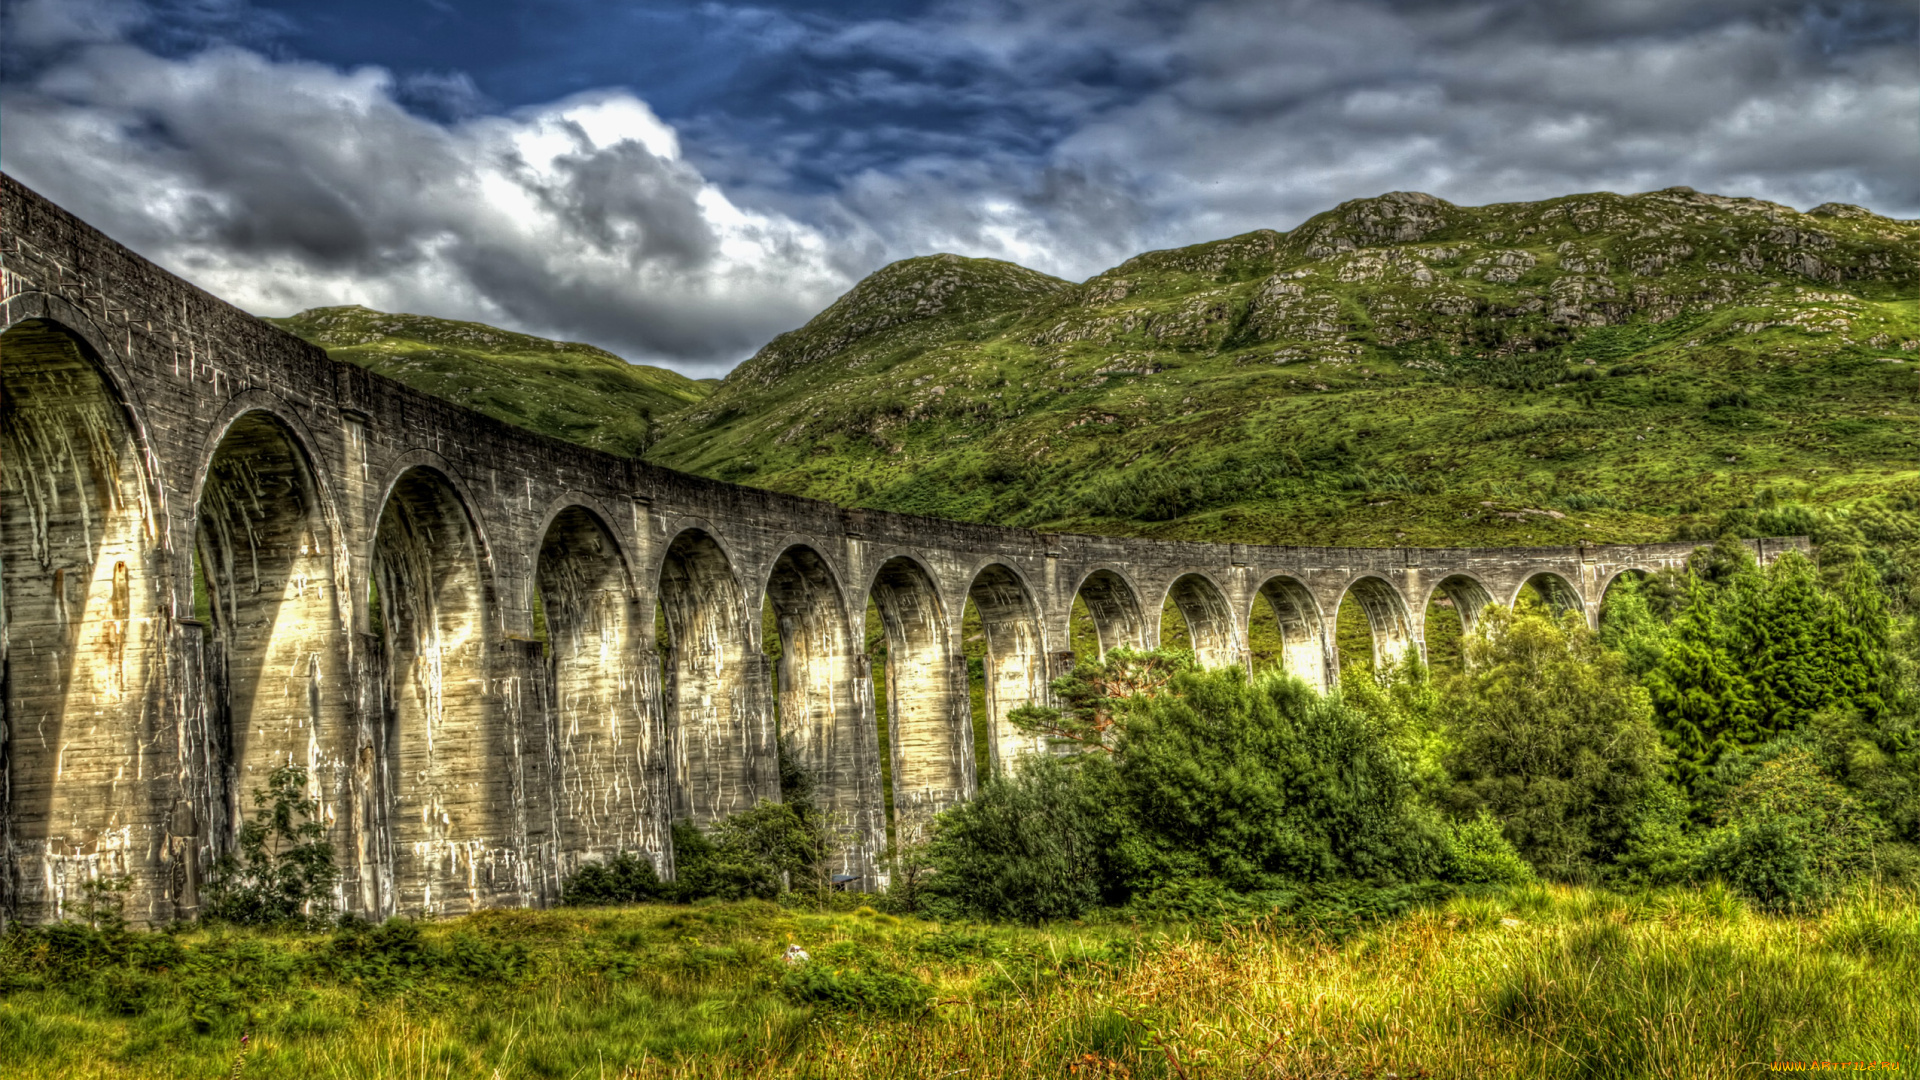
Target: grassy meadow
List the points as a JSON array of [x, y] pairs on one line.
[[1537, 981]]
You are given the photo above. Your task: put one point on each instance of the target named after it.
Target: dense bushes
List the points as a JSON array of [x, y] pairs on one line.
[[1216, 790], [1789, 835], [1754, 726], [1023, 849], [1550, 734], [626, 878], [1788, 695], [1259, 785]]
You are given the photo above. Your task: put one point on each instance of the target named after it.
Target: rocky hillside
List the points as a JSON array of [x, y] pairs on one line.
[[559, 388], [1398, 369]]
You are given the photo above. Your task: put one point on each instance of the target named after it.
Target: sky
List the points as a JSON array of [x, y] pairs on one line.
[[679, 182]]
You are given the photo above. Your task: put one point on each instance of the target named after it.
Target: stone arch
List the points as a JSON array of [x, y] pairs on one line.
[[1388, 621], [276, 645], [1637, 573], [1303, 632], [823, 713], [1553, 590], [724, 748], [1468, 595], [607, 751], [1016, 658], [1209, 617], [1115, 606], [81, 644], [1453, 607], [442, 747], [931, 734]]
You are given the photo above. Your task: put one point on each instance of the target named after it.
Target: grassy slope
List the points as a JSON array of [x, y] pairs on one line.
[[564, 389], [1537, 982], [1397, 370]]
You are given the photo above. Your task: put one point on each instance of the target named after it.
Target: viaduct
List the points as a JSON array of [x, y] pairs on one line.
[[222, 551]]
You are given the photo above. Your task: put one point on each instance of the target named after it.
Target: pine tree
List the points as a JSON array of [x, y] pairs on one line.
[[1858, 633], [1701, 698], [1790, 670]]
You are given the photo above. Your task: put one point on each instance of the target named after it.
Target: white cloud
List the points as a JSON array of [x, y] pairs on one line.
[[283, 184]]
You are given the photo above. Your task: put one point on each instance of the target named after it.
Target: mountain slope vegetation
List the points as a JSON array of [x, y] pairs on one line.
[[1396, 370], [559, 388]]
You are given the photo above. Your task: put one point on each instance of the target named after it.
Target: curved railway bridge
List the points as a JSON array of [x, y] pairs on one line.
[[224, 552]]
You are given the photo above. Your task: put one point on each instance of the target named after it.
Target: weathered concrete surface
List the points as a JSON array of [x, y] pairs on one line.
[[449, 621]]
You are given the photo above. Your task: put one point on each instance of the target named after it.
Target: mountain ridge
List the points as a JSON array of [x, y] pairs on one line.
[[1397, 369], [1532, 330]]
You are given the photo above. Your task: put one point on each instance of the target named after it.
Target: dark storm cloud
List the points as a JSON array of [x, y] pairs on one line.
[[1284, 109], [505, 161]]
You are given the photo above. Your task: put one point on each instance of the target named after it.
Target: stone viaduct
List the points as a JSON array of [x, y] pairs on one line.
[[222, 552]]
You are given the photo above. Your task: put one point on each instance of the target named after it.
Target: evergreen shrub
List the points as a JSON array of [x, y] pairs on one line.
[[627, 878], [1791, 837], [1022, 850], [1478, 853]]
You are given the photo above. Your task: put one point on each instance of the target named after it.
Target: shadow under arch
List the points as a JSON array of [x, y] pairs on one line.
[[81, 581], [1553, 590], [265, 584], [824, 718], [1209, 619], [607, 749], [1115, 607], [444, 787], [1304, 643], [1468, 596], [724, 748], [930, 730], [1015, 662], [1388, 622]]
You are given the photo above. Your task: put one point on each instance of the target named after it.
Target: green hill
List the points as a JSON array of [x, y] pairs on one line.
[[1396, 370], [559, 388]]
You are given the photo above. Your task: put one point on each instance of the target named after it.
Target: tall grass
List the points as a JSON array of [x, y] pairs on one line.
[[1542, 981]]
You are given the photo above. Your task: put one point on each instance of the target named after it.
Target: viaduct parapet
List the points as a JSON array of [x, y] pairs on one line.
[[222, 552]]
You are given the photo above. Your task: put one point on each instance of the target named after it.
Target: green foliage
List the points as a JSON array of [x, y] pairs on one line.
[[759, 853], [1096, 690], [284, 870], [1551, 734], [1212, 789], [1755, 655], [1790, 837], [1022, 850], [1261, 784], [627, 878], [750, 854], [1479, 853], [103, 902], [1877, 761], [1704, 703]]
